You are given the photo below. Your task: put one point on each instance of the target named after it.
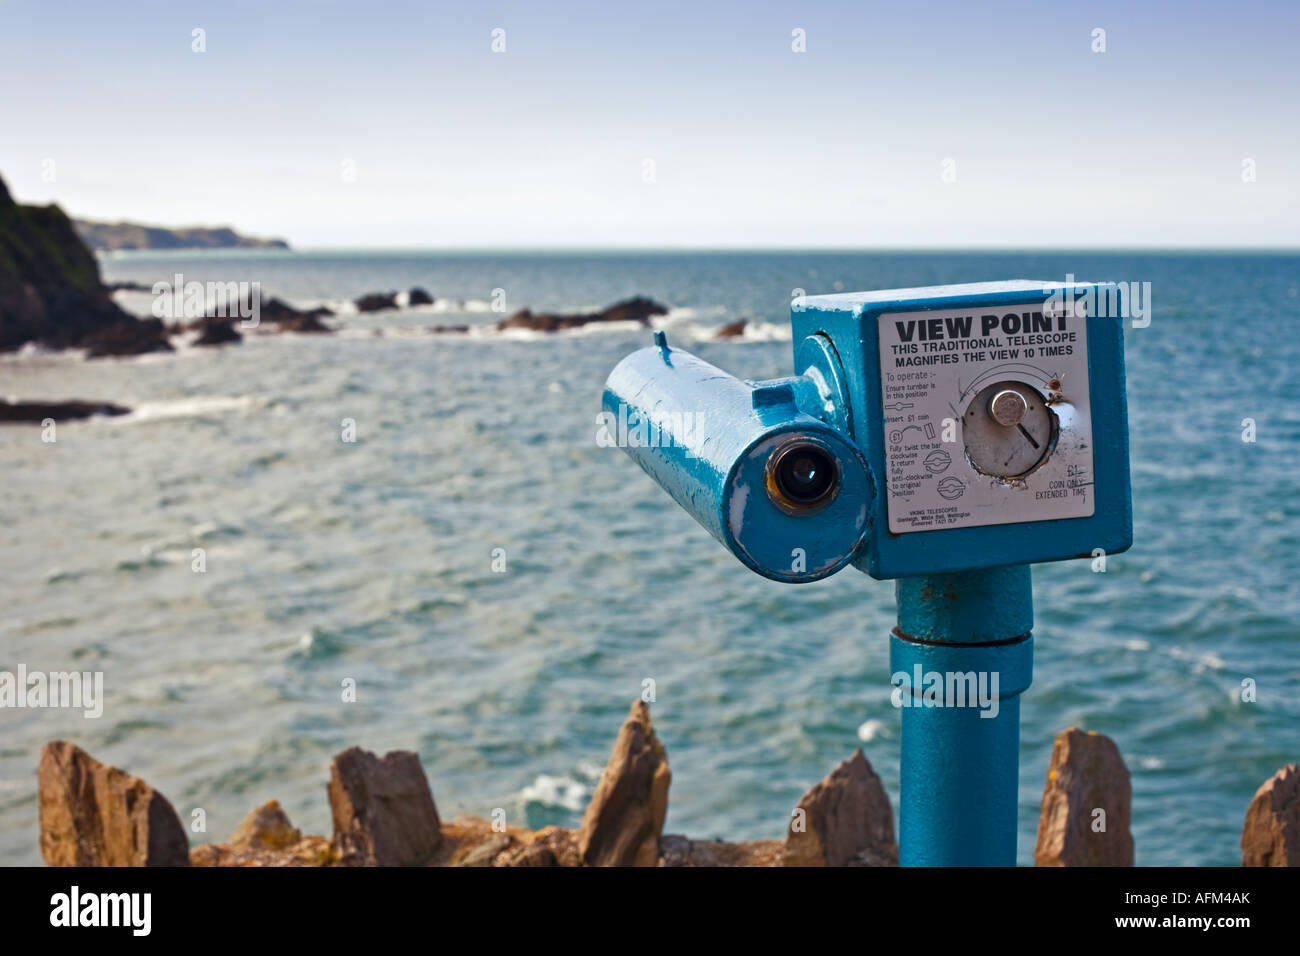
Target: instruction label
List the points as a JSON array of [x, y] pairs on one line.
[[937, 369]]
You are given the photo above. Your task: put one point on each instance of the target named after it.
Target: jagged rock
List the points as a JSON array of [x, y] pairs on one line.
[[418, 296], [1086, 774], [1271, 836], [638, 309], [846, 820], [96, 815], [384, 814], [733, 331], [59, 411], [377, 301], [217, 331], [625, 817], [266, 827], [266, 838], [682, 851]]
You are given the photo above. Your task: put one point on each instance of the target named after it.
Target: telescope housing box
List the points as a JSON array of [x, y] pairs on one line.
[[992, 416]]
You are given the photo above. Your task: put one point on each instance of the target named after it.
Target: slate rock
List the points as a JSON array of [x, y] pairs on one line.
[[95, 815], [384, 814], [1087, 804], [1271, 836], [846, 821], [625, 817]]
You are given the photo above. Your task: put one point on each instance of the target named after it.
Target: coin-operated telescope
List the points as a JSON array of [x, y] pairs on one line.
[[946, 437]]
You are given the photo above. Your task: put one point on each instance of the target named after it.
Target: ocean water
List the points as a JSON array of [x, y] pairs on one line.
[[373, 560]]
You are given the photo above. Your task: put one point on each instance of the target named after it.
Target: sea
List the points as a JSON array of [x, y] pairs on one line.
[[404, 540]]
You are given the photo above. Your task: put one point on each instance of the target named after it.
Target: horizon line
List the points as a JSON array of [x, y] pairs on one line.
[[618, 249]]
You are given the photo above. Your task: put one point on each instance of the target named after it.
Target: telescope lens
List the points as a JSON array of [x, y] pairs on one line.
[[804, 478]]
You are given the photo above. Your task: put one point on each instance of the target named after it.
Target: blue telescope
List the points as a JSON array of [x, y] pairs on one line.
[[946, 437]]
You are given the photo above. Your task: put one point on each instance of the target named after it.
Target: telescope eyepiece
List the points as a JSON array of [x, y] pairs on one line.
[[803, 477]]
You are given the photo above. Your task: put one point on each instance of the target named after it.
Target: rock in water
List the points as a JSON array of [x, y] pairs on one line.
[[625, 817], [1271, 836], [846, 820], [377, 301], [96, 815], [289, 319], [59, 411], [418, 296], [733, 331], [217, 331], [1087, 804], [384, 813], [638, 309]]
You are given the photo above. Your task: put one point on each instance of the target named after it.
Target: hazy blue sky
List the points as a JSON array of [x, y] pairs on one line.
[[752, 143]]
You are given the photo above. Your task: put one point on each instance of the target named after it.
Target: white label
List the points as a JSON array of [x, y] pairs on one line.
[[938, 370]]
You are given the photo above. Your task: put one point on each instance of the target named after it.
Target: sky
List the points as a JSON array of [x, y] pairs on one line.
[[665, 124]]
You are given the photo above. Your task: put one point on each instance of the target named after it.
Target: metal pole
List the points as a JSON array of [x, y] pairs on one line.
[[960, 759]]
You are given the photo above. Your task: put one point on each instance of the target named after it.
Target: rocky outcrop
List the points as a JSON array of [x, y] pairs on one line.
[[638, 309], [383, 811], [1087, 804], [681, 851], [266, 838], [59, 411], [384, 814], [418, 296], [288, 319], [303, 323], [95, 815], [1271, 836], [549, 846], [50, 293], [845, 820], [625, 817], [733, 331], [266, 827], [277, 310], [217, 331], [377, 302], [112, 236], [128, 337]]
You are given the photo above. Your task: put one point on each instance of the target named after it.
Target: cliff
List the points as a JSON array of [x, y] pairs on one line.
[[50, 291], [112, 236]]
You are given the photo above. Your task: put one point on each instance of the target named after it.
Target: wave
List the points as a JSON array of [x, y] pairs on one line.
[[564, 793], [192, 407]]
